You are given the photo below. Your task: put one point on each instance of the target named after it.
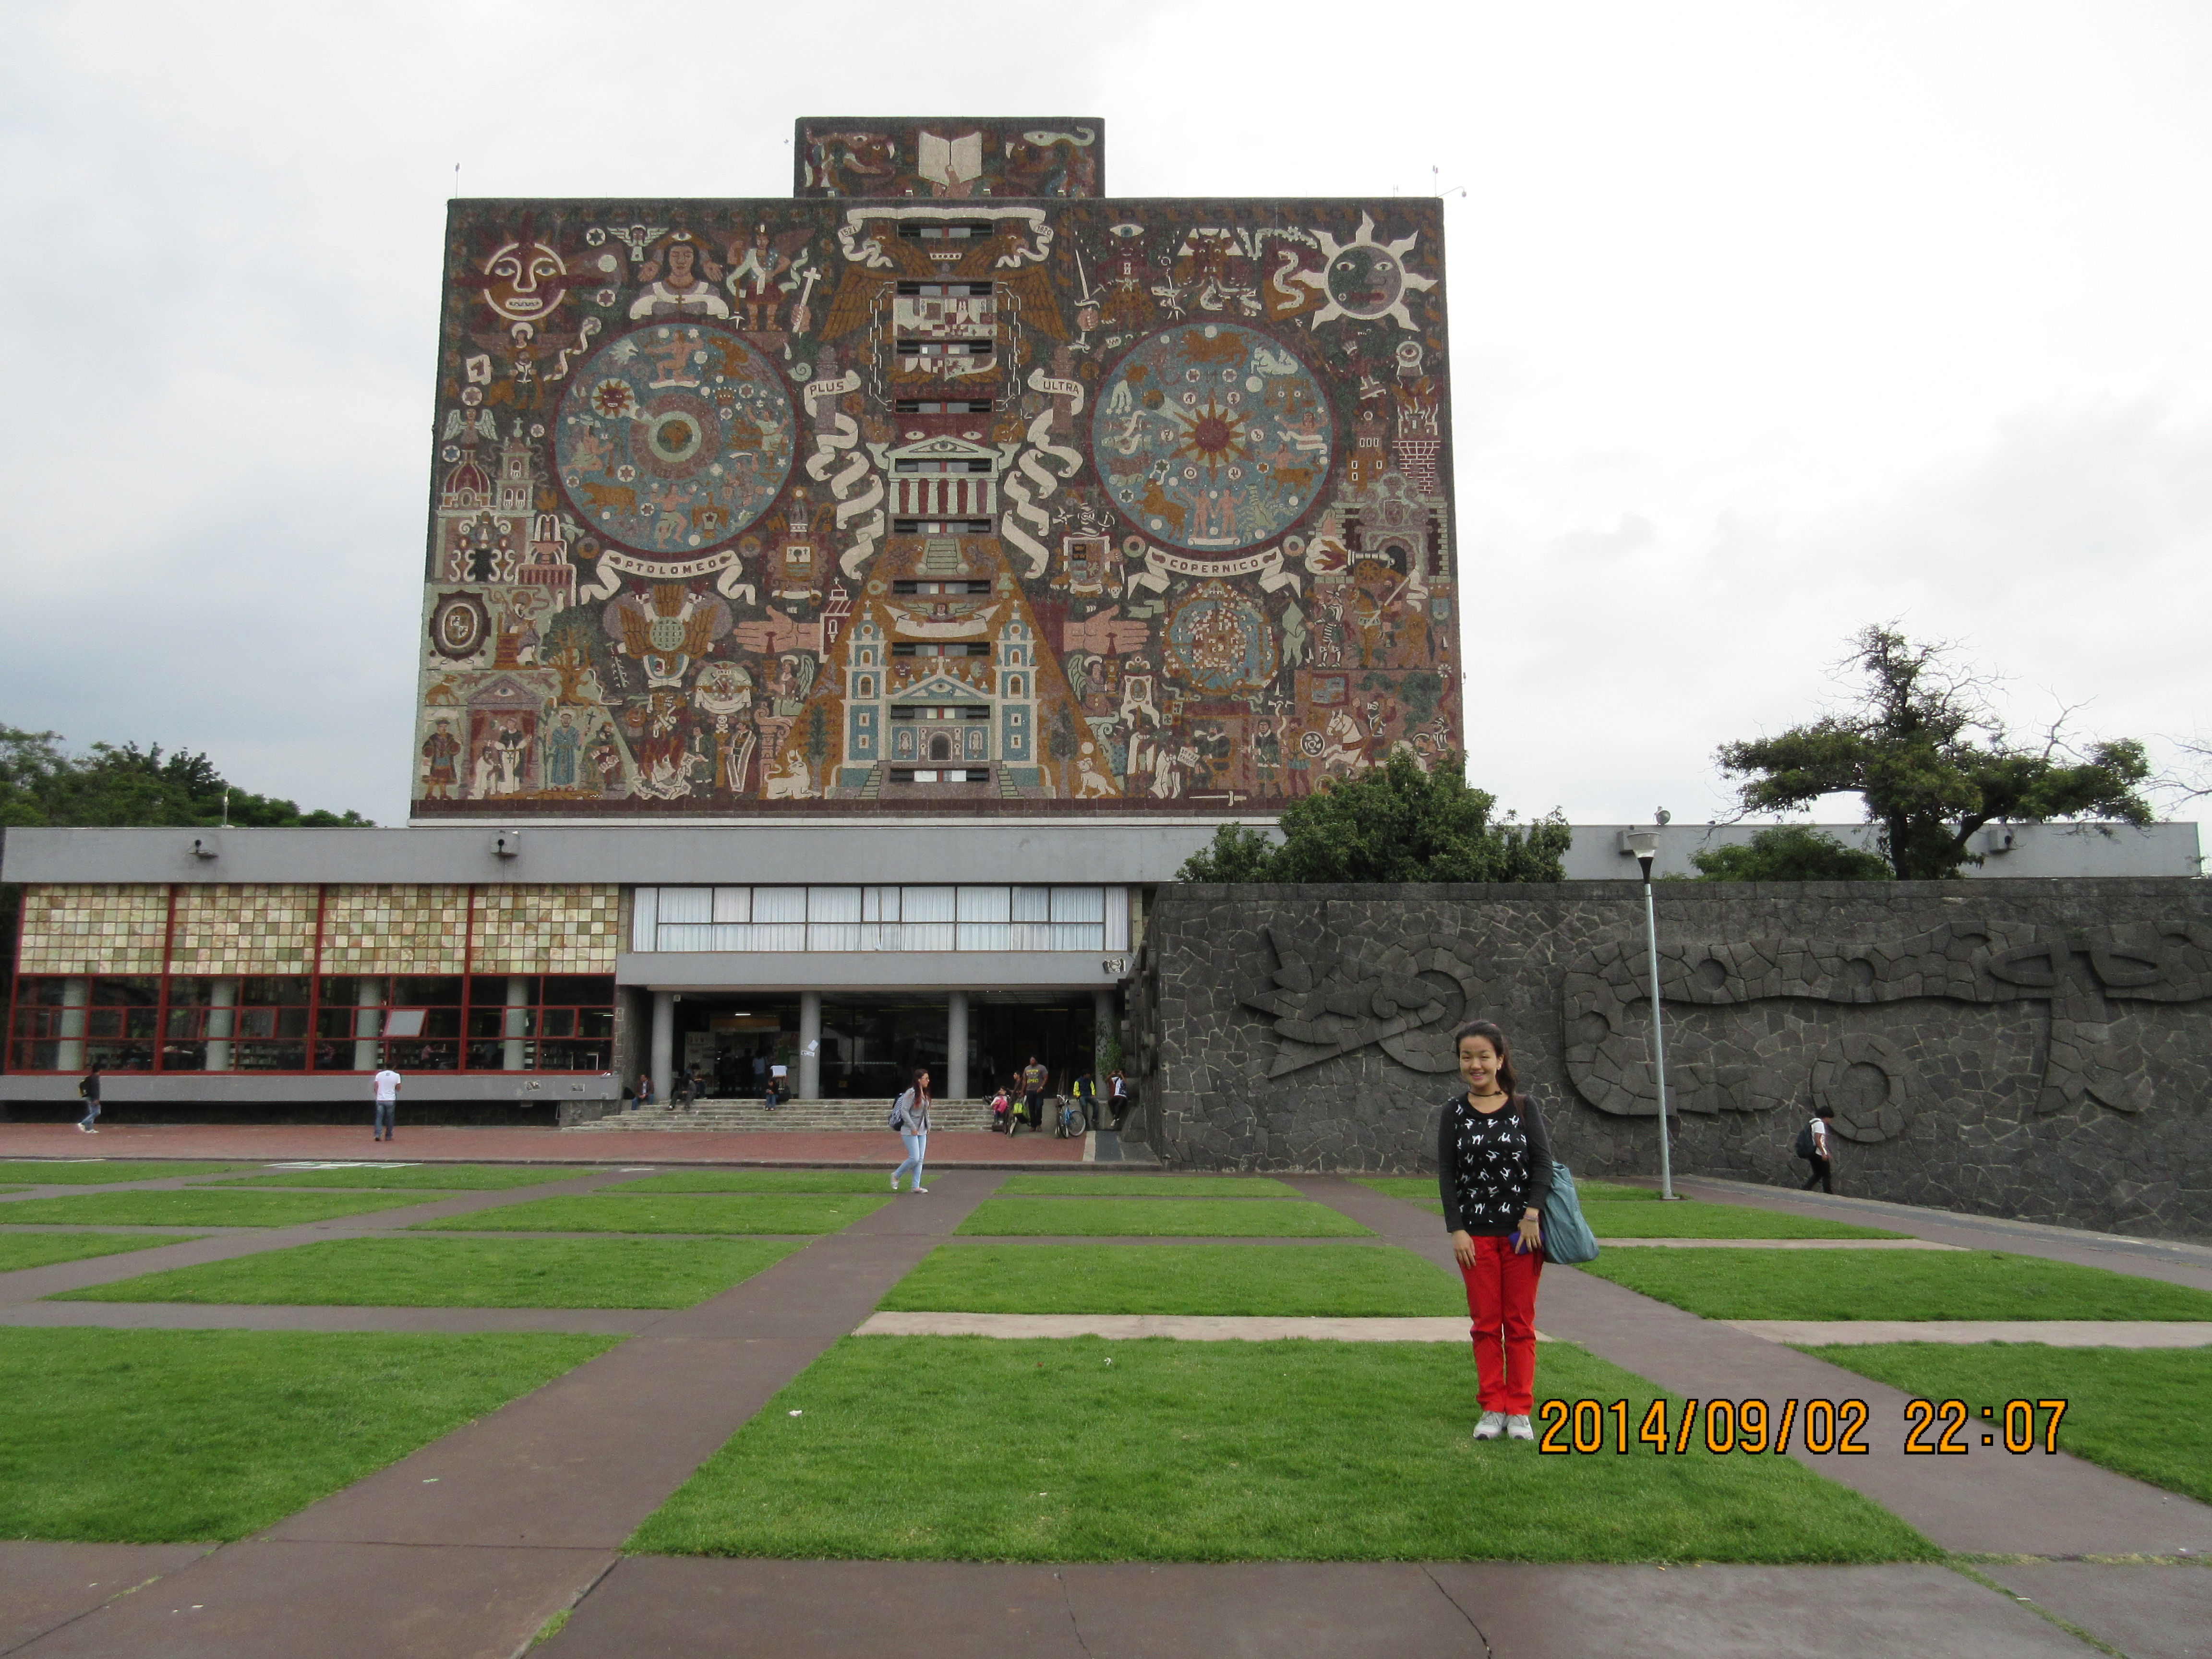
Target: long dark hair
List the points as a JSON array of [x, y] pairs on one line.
[[1487, 1030], [920, 1089]]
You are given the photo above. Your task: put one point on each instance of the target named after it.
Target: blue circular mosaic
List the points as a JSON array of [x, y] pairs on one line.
[[672, 438], [1213, 437]]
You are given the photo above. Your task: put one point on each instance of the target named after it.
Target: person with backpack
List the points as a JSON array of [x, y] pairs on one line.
[[1086, 1100], [88, 1091], [910, 1117], [1813, 1145], [1117, 1096], [1494, 1172]]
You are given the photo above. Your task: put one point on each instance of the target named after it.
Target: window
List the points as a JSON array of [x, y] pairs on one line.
[[941, 526], [944, 406], [964, 711], [65, 1024], [944, 466], [974, 917], [939, 774], [927, 588], [939, 649], [947, 291], [944, 230]]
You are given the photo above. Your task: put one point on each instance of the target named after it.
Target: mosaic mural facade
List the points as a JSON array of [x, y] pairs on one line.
[[931, 492]]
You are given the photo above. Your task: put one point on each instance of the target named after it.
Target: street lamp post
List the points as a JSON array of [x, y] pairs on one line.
[[1645, 843]]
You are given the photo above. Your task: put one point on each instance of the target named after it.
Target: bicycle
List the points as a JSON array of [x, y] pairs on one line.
[[1068, 1120]]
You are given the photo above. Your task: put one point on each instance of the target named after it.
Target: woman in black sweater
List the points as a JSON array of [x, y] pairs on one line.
[[1494, 1170]]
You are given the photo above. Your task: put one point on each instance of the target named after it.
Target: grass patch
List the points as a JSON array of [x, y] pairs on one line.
[[1250, 1451], [1727, 1284], [2126, 1408], [1690, 1218], [759, 1181], [1143, 1186], [462, 1272], [21, 1250], [1113, 1218], [96, 1171], [173, 1436], [439, 1177], [1326, 1281], [195, 1207], [675, 1213]]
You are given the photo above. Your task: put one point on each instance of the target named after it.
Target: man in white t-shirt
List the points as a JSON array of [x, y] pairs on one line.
[[387, 1102], [1822, 1160]]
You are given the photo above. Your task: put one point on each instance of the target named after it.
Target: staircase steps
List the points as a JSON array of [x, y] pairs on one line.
[[820, 1116]]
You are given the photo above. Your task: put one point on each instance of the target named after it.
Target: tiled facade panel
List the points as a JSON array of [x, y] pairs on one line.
[[945, 494], [532, 928], [225, 928], [410, 928], [94, 928]]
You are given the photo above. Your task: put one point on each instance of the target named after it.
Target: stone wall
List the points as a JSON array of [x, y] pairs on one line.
[[2032, 1049]]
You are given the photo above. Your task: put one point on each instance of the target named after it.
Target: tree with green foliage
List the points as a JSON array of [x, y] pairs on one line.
[[1395, 823], [1921, 746], [1790, 852], [121, 784]]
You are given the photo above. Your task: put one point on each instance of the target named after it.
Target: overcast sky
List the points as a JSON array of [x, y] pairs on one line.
[[1768, 321]]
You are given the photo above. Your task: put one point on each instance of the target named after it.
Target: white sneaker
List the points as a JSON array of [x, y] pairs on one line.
[[1519, 1428], [894, 1184], [921, 1190], [1492, 1426]]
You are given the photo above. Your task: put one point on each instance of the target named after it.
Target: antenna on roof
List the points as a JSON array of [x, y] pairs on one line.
[[456, 178], [225, 809]]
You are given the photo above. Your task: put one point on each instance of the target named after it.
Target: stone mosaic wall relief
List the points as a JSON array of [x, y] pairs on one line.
[[952, 158], [939, 496], [227, 928], [92, 928], [535, 928], [402, 928], [2034, 1048]]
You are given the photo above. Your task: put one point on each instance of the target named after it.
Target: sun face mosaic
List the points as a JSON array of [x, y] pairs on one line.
[[947, 480]]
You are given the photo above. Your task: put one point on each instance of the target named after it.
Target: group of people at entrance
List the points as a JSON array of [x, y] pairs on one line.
[[1022, 1100]]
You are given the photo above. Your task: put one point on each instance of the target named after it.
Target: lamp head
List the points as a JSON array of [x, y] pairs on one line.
[[1643, 843]]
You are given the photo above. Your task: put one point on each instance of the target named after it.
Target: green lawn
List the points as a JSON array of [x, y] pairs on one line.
[[1726, 1284], [951, 1448], [1156, 1218], [21, 1250], [195, 1207], [760, 1181], [1321, 1280], [1689, 1219], [170, 1436], [1142, 1186], [2127, 1409], [96, 1171], [606, 1213], [463, 1273], [442, 1177], [1422, 1189]]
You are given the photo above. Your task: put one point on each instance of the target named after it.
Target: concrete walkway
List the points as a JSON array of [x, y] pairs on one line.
[[2054, 1333], [264, 1143], [1183, 1327], [2034, 1505], [1776, 1244]]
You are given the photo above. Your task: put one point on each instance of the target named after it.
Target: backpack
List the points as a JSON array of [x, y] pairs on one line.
[[898, 1109], [1805, 1147], [80, 1094]]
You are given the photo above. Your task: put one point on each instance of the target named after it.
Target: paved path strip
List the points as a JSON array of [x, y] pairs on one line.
[[653, 1608], [2054, 1333], [270, 1142], [1778, 1244], [2172, 1260], [333, 1316], [1997, 1505], [466, 1548], [1183, 1327]]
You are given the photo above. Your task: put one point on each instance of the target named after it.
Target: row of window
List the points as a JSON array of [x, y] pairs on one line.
[[962, 918], [297, 1023], [941, 526], [944, 405]]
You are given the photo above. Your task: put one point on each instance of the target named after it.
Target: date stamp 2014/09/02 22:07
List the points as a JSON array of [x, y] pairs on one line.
[[1822, 1427]]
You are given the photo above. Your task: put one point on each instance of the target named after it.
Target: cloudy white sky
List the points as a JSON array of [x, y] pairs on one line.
[[1769, 320]]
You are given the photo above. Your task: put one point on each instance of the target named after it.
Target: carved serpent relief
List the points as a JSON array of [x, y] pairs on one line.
[[2085, 978], [1406, 1000]]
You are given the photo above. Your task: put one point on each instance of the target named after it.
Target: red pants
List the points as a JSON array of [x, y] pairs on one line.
[[1501, 1296]]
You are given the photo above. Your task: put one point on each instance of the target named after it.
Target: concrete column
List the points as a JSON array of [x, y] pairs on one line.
[[1106, 1018], [663, 1052], [368, 1023], [810, 1045], [75, 993], [955, 1046], [221, 1023], [517, 1022]]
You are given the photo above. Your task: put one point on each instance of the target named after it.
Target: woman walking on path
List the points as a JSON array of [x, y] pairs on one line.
[[1494, 1170], [910, 1117]]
